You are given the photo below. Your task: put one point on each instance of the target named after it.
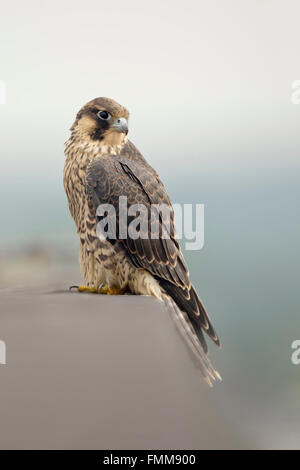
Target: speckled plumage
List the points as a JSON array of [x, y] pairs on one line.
[[102, 165]]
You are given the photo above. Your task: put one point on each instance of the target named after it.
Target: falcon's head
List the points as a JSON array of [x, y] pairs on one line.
[[103, 120]]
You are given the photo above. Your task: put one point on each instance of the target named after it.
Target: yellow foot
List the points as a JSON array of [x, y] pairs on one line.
[[111, 291], [93, 290], [104, 289]]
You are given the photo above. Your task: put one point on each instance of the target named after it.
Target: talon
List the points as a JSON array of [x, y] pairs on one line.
[[73, 287], [103, 289], [92, 290]]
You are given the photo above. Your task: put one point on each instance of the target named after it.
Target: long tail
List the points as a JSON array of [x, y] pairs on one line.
[[195, 341]]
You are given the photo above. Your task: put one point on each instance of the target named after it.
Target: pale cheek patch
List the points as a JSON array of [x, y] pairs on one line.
[[86, 125], [112, 138]]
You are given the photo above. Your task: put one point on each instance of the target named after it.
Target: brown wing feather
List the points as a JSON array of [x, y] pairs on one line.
[[108, 178]]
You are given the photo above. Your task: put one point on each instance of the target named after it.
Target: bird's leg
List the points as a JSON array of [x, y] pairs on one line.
[[90, 289], [103, 289]]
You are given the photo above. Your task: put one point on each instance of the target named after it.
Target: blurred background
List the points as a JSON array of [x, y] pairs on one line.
[[209, 88]]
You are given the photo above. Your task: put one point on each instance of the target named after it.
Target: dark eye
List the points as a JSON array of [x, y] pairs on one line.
[[103, 115]]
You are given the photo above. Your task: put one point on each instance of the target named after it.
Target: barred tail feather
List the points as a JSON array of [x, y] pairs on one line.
[[195, 343]]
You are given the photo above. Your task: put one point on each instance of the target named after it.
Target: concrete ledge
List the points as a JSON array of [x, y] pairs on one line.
[[87, 371]]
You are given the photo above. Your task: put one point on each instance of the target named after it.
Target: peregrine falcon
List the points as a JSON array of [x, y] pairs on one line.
[[101, 166]]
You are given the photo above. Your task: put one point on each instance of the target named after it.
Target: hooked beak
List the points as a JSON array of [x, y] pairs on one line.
[[120, 125]]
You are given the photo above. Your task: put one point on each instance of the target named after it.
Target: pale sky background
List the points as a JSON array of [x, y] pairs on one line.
[[203, 80], [208, 85]]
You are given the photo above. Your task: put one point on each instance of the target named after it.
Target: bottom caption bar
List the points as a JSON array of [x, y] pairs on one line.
[[128, 459]]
